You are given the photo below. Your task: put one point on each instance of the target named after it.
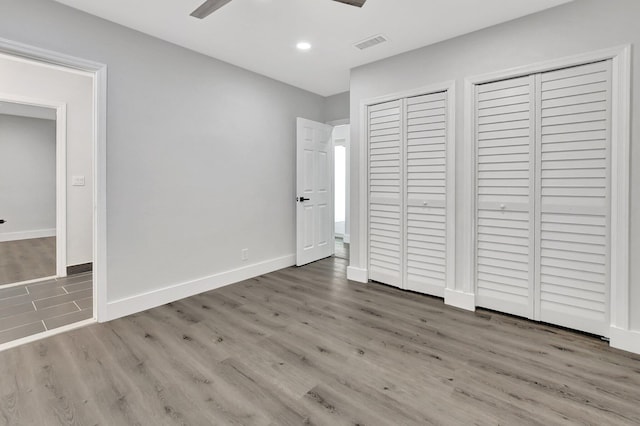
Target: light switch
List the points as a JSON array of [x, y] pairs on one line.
[[77, 180]]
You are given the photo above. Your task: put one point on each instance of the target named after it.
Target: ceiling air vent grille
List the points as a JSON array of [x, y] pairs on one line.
[[370, 42]]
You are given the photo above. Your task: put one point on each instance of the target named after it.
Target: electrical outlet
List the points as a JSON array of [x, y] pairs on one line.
[[244, 254], [77, 180]]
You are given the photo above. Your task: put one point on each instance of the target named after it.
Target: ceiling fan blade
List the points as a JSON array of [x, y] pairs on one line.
[[208, 7], [358, 3]]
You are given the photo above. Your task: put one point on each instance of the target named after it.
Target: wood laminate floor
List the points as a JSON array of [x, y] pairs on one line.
[[24, 260], [303, 346], [29, 309]]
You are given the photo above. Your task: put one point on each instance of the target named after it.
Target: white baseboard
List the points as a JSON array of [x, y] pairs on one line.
[[357, 274], [142, 302], [27, 235], [627, 340], [346, 238], [460, 299]]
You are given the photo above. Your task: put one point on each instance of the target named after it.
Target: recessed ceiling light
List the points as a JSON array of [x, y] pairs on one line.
[[303, 45]]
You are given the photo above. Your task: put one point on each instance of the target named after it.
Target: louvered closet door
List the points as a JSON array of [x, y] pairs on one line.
[[385, 196], [573, 283], [425, 153], [505, 163]]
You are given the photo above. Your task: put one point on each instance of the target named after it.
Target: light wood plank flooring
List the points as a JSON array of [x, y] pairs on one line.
[[25, 260], [304, 346], [29, 309]]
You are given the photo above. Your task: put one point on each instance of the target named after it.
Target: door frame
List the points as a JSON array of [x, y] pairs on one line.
[[362, 274], [61, 172], [98, 72], [620, 177]]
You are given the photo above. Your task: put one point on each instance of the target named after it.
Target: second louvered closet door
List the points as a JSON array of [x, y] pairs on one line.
[[574, 169], [543, 196]]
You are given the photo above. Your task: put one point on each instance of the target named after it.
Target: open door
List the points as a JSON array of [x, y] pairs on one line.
[[314, 176]]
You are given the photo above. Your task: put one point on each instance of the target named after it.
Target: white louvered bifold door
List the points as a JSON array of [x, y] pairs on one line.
[[425, 213], [504, 191], [385, 193], [574, 191]]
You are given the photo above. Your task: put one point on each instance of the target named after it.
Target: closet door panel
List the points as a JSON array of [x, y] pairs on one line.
[[504, 198], [574, 200], [425, 196], [385, 193]]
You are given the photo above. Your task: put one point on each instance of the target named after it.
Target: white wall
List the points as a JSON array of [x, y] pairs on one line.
[[24, 78], [27, 177], [200, 154], [574, 28], [336, 107]]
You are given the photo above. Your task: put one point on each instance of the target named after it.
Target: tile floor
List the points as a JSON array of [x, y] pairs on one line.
[[33, 308], [342, 249]]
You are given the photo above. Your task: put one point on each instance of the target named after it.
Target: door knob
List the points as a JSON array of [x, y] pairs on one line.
[[425, 203], [502, 206], [302, 199]]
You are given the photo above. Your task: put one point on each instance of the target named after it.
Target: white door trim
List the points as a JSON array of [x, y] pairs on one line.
[[621, 102], [99, 143], [61, 172], [361, 274]]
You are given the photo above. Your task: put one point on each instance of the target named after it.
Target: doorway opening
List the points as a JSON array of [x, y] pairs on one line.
[[340, 136], [28, 193], [45, 294]]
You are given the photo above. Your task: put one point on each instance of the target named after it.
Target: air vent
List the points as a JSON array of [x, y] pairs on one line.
[[370, 42]]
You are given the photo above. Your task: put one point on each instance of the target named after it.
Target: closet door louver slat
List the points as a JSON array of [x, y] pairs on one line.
[[385, 196], [574, 168], [504, 198], [425, 213]]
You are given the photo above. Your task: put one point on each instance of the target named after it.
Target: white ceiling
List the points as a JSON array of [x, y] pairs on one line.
[[260, 35]]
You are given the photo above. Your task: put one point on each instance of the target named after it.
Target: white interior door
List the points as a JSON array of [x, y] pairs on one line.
[[315, 198]]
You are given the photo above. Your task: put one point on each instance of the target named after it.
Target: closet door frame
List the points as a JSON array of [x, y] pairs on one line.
[[449, 88], [620, 179]]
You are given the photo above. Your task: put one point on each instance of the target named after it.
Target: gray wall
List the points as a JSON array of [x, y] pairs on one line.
[[577, 27], [27, 175], [200, 154], [336, 107]]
